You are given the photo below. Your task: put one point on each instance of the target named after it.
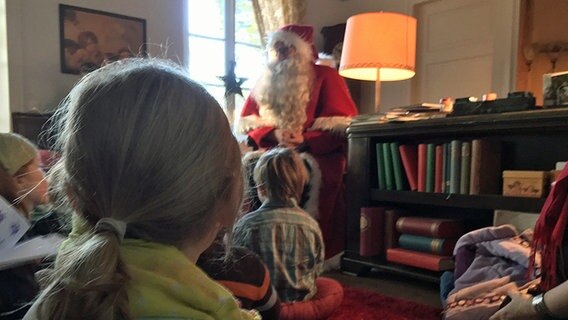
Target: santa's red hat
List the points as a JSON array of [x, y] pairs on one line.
[[306, 32]]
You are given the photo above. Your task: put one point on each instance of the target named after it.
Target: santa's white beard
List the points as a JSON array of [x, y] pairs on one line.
[[283, 93]]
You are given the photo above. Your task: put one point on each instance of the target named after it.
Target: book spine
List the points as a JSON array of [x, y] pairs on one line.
[[389, 175], [420, 259], [381, 184], [439, 246], [422, 149], [409, 157], [465, 167], [429, 227], [439, 169], [391, 234], [455, 166], [485, 167], [430, 166], [372, 230], [399, 176], [447, 166]]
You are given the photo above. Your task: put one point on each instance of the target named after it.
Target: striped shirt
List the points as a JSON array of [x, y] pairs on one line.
[[289, 242], [245, 276]]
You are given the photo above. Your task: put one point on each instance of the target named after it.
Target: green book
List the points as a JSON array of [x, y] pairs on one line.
[[447, 150], [430, 163], [389, 175], [465, 169], [399, 174], [380, 166], [455, 166], [439, 246]]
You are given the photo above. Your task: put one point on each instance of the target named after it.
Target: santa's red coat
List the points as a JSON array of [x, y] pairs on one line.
[[328, 112]]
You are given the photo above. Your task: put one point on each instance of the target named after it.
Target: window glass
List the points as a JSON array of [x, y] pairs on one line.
[[249, 63], [206, 60], [246, 30], [206, 18], [208, 46]]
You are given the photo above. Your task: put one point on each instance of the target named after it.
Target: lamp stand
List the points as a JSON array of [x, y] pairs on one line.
[[378, 91]]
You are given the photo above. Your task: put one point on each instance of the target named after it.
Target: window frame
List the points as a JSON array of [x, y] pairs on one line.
[[230, 44]]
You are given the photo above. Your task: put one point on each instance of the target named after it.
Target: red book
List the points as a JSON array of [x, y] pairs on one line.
[[372, 229], [409, 157], [439, 168], [422, 157], [420, 259], [430, 227], [485, 168]]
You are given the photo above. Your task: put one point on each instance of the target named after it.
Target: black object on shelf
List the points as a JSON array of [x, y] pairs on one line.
[[515, 101]]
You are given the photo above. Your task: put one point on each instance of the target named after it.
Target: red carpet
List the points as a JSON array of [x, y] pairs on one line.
[[359, 304]]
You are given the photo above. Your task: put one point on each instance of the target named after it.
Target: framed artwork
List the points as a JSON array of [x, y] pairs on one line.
[[91, 38]]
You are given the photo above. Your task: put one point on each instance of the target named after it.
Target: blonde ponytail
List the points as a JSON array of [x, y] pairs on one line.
[[88, 281], [143, 144]]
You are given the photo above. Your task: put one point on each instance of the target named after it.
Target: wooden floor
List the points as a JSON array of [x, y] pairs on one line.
[[392, 285]]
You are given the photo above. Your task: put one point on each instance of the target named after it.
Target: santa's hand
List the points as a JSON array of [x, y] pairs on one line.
[[288, 138], [519, 308]]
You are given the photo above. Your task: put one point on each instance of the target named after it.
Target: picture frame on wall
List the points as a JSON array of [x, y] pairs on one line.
[[91, 38]]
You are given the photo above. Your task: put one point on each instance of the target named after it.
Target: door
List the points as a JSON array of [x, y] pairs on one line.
[[465, 48]]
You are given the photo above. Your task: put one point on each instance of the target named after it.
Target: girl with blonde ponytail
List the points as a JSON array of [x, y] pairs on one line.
[[152, 171]]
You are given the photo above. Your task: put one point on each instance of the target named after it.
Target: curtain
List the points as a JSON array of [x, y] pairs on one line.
[[272, 14]]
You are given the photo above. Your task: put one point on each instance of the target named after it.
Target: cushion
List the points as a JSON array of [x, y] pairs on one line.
[[321, 306]]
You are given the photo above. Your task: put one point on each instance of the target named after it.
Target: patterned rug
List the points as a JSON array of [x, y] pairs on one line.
[[360, 304]]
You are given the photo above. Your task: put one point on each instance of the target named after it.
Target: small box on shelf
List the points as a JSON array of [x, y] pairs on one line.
[[533, 184]]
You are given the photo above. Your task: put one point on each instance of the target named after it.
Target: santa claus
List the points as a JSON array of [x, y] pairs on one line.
[[299, 104]]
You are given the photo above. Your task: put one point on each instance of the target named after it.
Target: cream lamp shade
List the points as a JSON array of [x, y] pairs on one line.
[[379, 46]]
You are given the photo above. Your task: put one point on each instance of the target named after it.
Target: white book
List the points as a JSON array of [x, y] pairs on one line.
[[13, 225], [33, 249]]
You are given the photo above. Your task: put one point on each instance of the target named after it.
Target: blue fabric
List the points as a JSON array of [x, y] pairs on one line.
[[446, 286]]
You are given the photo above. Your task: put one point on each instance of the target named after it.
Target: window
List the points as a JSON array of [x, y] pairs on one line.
[[220, 31]]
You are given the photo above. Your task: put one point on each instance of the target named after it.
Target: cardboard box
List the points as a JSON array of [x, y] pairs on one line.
[[555, 89], [532, 184]]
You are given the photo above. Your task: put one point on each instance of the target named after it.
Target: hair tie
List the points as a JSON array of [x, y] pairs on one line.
[[118, 228]]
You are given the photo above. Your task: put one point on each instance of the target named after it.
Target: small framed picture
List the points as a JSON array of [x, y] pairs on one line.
[[92, 38]]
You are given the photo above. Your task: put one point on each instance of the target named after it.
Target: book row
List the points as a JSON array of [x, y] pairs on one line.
[[463, 167], [421, 242]]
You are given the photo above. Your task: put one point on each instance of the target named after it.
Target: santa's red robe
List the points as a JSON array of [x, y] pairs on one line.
[[328, 112]]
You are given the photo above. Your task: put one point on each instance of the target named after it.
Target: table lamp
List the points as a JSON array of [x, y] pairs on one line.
[[379, 46]]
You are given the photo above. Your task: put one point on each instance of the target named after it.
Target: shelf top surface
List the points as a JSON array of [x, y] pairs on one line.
[[544, 119]]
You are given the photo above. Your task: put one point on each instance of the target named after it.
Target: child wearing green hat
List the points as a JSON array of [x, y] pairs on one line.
[[22, 181], [23, 184]]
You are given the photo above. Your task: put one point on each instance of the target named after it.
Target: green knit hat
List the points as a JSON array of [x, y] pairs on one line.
[[15, 152]]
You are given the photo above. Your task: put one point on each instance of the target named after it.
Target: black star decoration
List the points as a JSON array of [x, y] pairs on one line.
[[232, 83]]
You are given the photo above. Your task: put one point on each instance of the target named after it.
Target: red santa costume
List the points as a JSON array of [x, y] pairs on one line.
[[297, 96]]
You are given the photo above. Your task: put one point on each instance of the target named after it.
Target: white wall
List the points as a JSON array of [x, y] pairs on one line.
[[4, 89], [33, 44], [36, 81]]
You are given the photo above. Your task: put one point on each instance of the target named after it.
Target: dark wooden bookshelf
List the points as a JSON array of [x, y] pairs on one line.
[[530, 140], [489, 201]]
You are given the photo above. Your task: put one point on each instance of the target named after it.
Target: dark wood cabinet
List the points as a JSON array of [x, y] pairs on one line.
[[35, 127], [530, 140]]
